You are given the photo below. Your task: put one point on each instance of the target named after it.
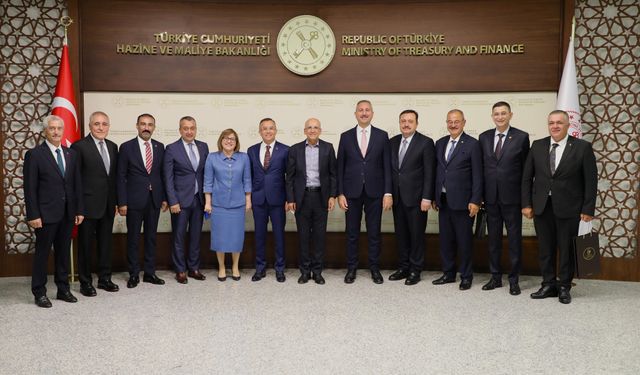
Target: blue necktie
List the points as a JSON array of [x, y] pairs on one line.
[[59, 159], [453, 146], [194, 162]]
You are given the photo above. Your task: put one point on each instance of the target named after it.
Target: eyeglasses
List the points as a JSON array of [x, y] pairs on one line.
[[229, 139]]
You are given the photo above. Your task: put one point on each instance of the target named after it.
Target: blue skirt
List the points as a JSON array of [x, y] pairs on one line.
[[227, 229]]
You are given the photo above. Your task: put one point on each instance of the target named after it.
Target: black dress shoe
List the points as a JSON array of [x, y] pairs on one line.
[[133, 282], [465, 284], [412, 279], [304, 278], [514, 289], [376, 276], [181, 278], [222, 278], [280, 276], [67, 297], [196, 275], [153, 279], [443, 280], [317, 277], [43, 301], [258, 276], [88, 290], [545, 292], [492, 284], [350, 277], [564, 296], [108, 285], [399, 275]]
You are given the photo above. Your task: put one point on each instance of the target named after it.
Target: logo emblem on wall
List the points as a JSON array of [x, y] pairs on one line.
[[306, 45]]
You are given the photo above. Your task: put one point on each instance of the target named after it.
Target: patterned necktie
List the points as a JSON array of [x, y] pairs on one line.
[[103, 154], [453, 146], [148, 157], [403, 150], [363, 143], [194, 162], [59, 160], [267, 157], [552, 158], [499, 145]]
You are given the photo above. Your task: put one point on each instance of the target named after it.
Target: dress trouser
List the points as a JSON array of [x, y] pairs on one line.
[[59, 235], [409, 224], [510, 215], [147, 217], [188, 219], [373, 216], [311, 219], [456, 235], [101, 229]]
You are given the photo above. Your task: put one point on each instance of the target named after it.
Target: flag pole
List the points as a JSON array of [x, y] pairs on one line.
[[66, 21]]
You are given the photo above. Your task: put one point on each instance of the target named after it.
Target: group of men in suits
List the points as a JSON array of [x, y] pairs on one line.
[[554, 183]]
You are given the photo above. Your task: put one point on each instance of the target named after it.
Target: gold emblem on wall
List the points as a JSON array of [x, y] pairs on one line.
[[306, 45]]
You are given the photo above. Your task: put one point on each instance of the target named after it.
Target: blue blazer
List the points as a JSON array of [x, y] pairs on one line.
[[268, 186], [134, 181], [462, 175], [371, 173], [503, 176], [227, 182], [180, 177], [48, 194]]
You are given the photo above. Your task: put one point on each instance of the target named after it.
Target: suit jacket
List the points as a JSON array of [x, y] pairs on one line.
[[573, 186], [99, 188], [297, 172], [179, 175], [133, 181], [462, 174], [371, 172], [268, 186], [413, 181], [503, 175], [48, 194]]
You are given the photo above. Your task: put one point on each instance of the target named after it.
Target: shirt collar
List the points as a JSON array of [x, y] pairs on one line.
[[562, 142], [504, 132], [52, 147]]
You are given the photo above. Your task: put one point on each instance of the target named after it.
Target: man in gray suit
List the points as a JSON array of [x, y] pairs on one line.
[[559, 186]]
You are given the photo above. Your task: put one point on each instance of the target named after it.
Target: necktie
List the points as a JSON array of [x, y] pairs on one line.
[[499, 145], [59, 160], [148, 157], [403, 150], [453, 146], [267, 157], [552, 158], [363, 143], [194, 162], [103, 154]]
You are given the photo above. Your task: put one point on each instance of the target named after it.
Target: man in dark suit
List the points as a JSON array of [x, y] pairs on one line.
[[458, 193], [184, 178], [141, 196], [268, 197], [504, 151], [559, 187], [53, 197], [412, 170], [311, 191], [98, 160], [364, 181]]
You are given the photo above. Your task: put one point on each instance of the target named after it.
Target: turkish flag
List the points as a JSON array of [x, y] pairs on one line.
[[64, 101], [64, 105]]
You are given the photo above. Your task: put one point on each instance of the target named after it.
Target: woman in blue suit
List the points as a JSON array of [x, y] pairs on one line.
[[227, 193]]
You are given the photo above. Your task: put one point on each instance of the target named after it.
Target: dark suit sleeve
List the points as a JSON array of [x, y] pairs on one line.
[[386, 155], [77, 180], [429, 165], [340, 166], [477, 174], [291, 174], [167, 167], [30, 172], [121, 183], [332, 172], [590, 174], [527, 180]]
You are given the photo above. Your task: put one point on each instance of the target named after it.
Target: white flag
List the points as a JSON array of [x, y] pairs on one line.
[[568, 94]]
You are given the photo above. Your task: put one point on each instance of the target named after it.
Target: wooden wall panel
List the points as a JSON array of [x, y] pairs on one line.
[[537, 24]]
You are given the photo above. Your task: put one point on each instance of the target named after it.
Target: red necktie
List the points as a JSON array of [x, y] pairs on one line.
[[267, 157], [148, 159]]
